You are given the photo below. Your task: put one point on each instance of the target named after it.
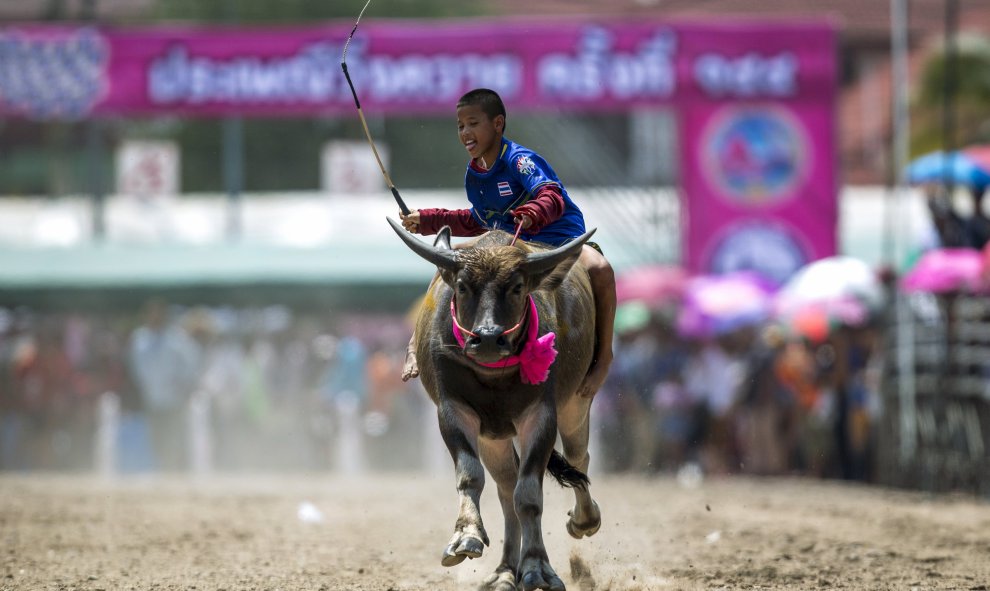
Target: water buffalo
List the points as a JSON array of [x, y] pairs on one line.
[[486, 336]]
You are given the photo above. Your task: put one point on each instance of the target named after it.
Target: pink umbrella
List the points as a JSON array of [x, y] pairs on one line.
[[653, 285], [719, 304], [946, 270]]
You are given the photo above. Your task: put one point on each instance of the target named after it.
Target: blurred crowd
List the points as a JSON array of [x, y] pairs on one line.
[[227, 389], [756, 400], [271, 389]]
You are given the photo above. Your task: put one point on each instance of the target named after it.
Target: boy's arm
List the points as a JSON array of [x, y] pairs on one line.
[[546, 208], [461, 222]]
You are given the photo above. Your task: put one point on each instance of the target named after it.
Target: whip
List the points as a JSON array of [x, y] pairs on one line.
[[364, 124]]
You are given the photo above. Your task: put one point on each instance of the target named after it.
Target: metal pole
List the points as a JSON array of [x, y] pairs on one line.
[[233, 155], [949, 94], [94, 173], [95, 151], [233, 172], [899, 11]]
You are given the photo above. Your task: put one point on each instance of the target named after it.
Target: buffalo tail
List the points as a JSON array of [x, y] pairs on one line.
[[566, 474]]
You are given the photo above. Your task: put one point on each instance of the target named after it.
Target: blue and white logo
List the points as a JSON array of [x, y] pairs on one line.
[[53, 77], [766, 248], [525, 165], [755, 156]]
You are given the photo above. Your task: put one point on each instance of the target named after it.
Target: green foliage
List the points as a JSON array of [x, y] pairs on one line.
[[972, 97], [295, 11]]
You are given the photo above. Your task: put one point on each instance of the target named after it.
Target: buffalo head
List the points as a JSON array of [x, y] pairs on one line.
[[491, 282]]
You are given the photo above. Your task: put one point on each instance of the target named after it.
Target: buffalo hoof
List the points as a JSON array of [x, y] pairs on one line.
[[587, 526], [461, 547], [541, 577], [503, 579]]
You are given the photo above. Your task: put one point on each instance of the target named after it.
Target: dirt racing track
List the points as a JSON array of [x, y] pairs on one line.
[[386, 533]]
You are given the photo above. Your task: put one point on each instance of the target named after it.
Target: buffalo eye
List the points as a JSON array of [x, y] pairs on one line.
[[461, 288], [517, 289]]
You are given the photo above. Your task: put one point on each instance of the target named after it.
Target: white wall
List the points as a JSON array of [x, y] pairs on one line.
[[647, 220]]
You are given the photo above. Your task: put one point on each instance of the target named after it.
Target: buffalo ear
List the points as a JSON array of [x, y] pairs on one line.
[[552, 278], [442, 241], [547, 270]]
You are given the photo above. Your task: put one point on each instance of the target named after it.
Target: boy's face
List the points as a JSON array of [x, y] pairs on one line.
[[478, 132]]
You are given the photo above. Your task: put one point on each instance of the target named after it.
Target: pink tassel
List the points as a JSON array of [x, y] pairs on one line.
[[536, 358], [537, 354]]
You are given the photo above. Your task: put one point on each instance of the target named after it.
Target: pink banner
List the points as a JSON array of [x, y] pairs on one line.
[[758, 166], [755, 100], [61, 72]]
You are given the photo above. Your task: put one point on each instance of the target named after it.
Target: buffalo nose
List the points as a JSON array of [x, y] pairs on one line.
[[488, 336]]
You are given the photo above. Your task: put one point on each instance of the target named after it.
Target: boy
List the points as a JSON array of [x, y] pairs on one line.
[[508, 184]]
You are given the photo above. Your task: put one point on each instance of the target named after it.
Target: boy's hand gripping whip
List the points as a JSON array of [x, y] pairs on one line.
[[357, 103], [364, 124]]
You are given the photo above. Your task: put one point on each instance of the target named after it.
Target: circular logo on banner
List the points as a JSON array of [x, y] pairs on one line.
[[755, 156], [766, 248]]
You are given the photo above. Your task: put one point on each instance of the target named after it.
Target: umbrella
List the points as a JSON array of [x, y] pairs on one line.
[[840, 289], [815, 321], [714, 305], [631, 316], [966, 167], [979, 154], [832, 279], [653, 285], [946, 270]]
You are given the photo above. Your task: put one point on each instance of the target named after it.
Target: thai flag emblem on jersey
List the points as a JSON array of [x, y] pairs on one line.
[[504, 190]]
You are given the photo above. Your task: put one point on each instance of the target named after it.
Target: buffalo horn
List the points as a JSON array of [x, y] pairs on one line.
[[539, 262], [442, 258]]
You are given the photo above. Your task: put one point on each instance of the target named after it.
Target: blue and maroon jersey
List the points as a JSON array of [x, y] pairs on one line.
[[515, 178]]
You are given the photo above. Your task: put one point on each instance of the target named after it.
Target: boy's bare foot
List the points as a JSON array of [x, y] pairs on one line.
[[410, 369], [595, 378]]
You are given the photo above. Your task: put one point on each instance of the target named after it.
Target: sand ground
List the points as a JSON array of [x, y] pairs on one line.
[[386, 533]]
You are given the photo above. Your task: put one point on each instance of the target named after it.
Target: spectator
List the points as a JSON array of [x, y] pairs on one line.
[[978, 224], [164, 362], [955, 230], [47, 378], [859, 407], [797, 370], [765, 409], [949, 225], [676, 411], [344, 391], [713, 376], [16, 347]]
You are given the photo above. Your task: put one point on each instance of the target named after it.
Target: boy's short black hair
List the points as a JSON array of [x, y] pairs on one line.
[[489, 101]]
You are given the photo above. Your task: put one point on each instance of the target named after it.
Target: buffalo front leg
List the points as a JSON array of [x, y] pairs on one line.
[[459, 427], [499, 456], [573, 421], [537, 433]]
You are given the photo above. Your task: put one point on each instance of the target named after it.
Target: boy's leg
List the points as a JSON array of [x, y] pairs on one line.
[[603, 285], [410, 369]]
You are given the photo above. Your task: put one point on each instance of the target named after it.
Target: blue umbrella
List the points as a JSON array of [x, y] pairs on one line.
[[963, 170]]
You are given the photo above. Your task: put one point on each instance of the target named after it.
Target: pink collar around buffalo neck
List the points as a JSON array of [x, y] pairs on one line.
[[537, 355]]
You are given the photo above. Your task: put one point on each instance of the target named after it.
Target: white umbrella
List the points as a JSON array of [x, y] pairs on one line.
[[833, 282]]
